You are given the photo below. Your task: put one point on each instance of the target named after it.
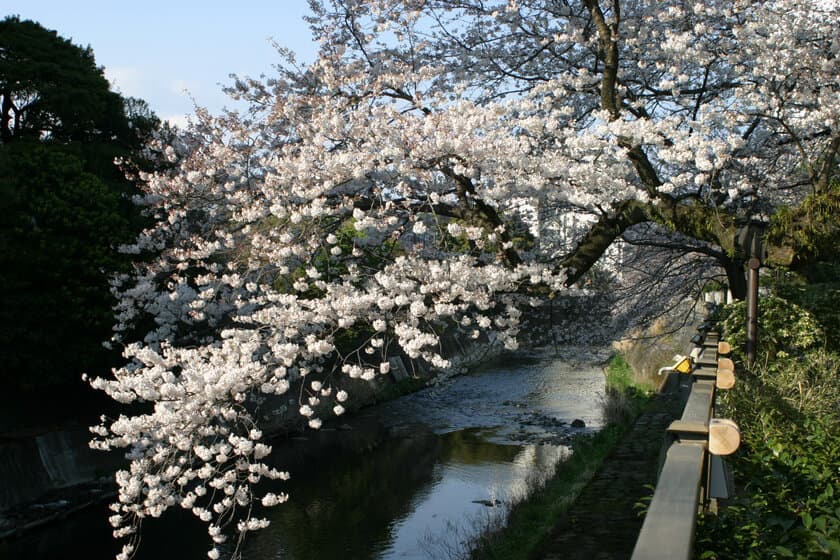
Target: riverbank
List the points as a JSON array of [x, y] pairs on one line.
[[604, 521], [50, 475], [588, 509]]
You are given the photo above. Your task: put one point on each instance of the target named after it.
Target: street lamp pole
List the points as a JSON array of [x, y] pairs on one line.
[[750, 239], [752, 308]]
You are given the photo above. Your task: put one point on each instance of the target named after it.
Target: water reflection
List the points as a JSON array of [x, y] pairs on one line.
[[342, 506], [407, 498], [87, 535], [472, 489]]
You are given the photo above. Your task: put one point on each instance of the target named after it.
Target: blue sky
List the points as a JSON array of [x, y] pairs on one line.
[[155, 49]]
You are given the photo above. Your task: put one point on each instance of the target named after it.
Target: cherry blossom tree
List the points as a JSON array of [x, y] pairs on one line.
[[387, 193]]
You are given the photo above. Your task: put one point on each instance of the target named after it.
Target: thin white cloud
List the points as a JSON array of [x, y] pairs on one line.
[[127, 80]]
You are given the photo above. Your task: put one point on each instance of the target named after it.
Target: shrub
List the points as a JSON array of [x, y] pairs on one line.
[[823, 301], [788, 408], [784, 327]]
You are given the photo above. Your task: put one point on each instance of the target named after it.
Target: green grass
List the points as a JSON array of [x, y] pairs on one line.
[[619, 373], [620, 376], [625, 396]]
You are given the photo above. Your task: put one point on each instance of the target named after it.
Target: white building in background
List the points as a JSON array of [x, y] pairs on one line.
[[558, 231]]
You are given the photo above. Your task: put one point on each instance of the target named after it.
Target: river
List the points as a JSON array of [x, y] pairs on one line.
[[413, 478]]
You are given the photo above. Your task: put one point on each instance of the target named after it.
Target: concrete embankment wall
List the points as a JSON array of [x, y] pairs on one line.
[[31, 467]]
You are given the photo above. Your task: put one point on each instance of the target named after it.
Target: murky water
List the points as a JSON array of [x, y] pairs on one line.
[[413, 478]]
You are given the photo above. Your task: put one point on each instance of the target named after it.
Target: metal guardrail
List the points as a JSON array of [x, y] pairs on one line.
[[685, 476]]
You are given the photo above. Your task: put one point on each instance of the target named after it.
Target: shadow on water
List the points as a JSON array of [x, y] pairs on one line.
[[342, 506]]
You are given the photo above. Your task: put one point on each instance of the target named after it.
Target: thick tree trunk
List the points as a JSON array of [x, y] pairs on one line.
[[735, 275], [601, 236], [689, 216], [694, 220]]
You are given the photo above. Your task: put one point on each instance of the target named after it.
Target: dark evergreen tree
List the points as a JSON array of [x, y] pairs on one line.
[[65, 204]]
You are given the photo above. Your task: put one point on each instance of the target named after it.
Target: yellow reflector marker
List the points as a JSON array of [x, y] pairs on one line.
[[684, 365]]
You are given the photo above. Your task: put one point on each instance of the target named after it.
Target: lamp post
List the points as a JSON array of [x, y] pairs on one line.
[[751, 241], [752, 308]]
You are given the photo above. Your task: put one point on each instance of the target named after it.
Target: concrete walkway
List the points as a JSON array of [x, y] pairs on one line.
[[603, 523]]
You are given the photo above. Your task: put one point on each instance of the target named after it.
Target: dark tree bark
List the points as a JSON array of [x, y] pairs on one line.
[[6, 133], [735, 275]]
